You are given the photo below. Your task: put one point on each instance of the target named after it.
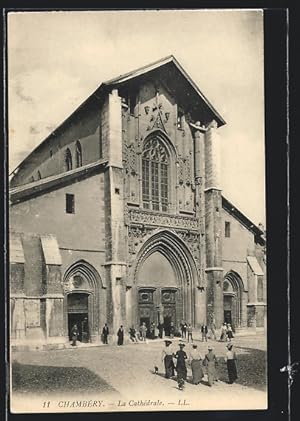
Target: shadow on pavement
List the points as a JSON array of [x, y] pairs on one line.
[[40, 379], [251, 368]]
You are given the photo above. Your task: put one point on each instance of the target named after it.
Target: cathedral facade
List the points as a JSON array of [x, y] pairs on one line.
[[118, 217]]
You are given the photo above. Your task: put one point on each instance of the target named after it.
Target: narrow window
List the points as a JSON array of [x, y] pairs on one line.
[[155, 175], [68, 160], [78, 154], [227, 229], [39, 176], [70, 203], [51, 153]]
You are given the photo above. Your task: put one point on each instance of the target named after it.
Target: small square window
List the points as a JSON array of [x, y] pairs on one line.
[[117, 190], [70, 203], [227, 229]]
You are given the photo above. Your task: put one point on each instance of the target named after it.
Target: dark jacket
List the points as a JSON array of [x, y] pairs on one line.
[[105, 331]]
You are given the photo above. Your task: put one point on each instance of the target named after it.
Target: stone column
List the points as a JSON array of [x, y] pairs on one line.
[[128, 306], [213, 220], [200, 307], [199, 167], [114, 214]]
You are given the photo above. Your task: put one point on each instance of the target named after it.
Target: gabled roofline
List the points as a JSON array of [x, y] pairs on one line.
[[244, 220], [152, 66], [118, 80]]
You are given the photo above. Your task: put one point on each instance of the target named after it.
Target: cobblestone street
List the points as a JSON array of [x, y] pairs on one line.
[[124, 376]]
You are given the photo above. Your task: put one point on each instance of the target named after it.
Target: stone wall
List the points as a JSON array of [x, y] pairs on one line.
[[49, 158]]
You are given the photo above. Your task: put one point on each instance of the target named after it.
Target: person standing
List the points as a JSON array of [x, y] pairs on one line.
[[231, 363], [204, 331], [190, 333], [183, 327], [105, 333], [181, 366], [196, 365], [120, 335], [223, 333], [152, 330], [74, 334], [210, 362], [132, 334], [167, 359], [143, 330], [229, 332]]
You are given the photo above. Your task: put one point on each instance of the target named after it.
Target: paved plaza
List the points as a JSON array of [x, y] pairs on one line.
[[121, 378]]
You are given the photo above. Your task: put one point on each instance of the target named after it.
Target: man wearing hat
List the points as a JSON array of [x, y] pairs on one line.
[[181, 366], [167, 359], [210, 361]]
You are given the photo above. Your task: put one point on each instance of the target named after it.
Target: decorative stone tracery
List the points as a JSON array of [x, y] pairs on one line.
[[129, 159], [159, 219]]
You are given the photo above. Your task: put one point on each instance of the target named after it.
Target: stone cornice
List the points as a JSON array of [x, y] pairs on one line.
[[43, 185]]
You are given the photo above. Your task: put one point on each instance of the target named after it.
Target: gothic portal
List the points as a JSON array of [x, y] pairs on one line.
[[164, 278]]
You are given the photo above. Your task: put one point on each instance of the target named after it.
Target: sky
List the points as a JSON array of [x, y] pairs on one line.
[[57, 59]]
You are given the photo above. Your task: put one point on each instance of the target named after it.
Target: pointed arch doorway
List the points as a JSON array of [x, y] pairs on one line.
[[232, 293], [82, 286], [165, 277]]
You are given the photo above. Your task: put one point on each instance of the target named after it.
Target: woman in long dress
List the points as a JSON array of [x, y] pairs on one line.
[[120, 335], [196, 365], [231, 363], [181, 366], [210, 362], [167, 358]]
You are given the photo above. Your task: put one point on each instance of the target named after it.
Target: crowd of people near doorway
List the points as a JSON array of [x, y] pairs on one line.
[[177, 361], [143, 333]]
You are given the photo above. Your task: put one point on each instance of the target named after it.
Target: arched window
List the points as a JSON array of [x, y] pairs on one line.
[[68, 160], [78, 154], [155, 175]]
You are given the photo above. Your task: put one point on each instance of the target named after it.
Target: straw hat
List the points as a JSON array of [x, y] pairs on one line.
[[210, 348]]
